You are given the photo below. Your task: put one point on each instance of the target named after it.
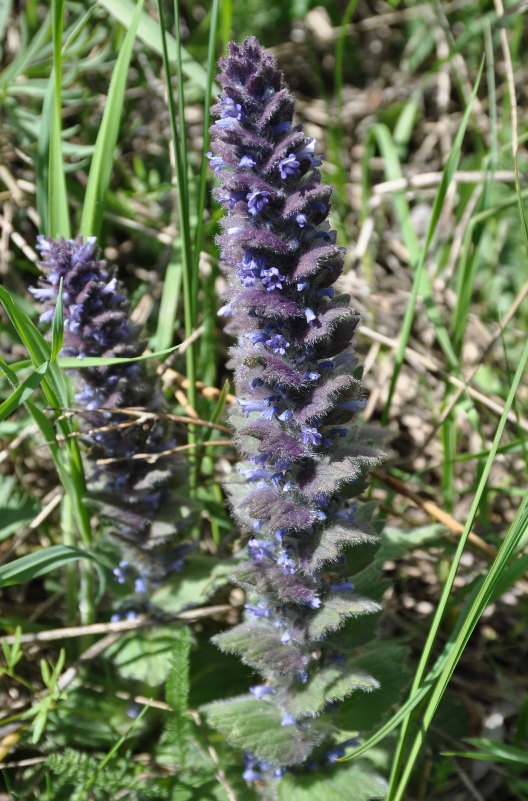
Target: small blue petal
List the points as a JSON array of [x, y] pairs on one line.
[[246, 161], [260, 690]]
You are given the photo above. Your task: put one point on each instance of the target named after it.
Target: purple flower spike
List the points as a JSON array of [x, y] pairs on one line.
[[133, 494], [295, 387]]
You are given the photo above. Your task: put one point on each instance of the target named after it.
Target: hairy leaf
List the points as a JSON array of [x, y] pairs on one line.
[[335, 611], [269, 580], [259, 645], [334, 785], [256, 726], [332, 540], [332, 682]]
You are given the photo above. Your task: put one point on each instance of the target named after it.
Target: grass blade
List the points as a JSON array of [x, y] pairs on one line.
[[24, 391], [202, 181], [59, 220], [177, 272], [57, 326], [149, 33], [5, 11], [35, 344], [504, 555], [73, 363], [103, 157], [43, 156], [55, 390], [38, 563], [493, 751], [170, 299], [26, 55], [447, 176], [189, 303]]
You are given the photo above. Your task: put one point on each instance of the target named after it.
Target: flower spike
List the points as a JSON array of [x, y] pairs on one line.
[[304, 457], [133, 491]]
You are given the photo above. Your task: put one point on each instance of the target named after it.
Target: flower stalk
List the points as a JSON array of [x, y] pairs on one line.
[[313, 604]]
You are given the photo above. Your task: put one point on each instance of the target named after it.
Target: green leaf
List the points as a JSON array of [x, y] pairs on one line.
[[25, 55], [331, 682], [145, 654], [340, 783], [5, 11], [75, 767], [67, 461], [72, 363], [219, 407], [169, 299], [393, 544], [259, 645], [335, 611], [39, 724], [36, 345], [364, 711], [24, 391], [493, 751], [9, 373], [38, 563], [103, 157], [45, 672], [45, 426], [202, 181], [256, 726], [57, 326], [189, 281], [201, 578], [335, 538], [43, 156]]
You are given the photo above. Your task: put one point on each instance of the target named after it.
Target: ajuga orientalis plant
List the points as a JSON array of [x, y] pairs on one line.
[[133, 471], [313, 604]]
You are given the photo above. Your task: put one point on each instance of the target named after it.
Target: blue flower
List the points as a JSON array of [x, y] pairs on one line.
[[277, 343], [256, 200], [260, 690], [260, 550], [271, 278], [288, 166], [230, 109], [311, 436]]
